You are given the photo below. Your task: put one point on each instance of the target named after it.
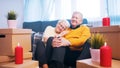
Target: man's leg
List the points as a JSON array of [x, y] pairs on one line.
[[85, 53], [72, 56]]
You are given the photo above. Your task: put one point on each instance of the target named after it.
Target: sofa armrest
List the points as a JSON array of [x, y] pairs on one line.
[[34, 38]]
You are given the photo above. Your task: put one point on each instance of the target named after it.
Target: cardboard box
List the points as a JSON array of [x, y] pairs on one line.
[[88, 63], [9, 39], [27, 55], [26, 64], [6, 58], [112, 36]]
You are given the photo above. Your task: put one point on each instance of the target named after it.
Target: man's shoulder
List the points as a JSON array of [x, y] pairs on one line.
[[83, 26]]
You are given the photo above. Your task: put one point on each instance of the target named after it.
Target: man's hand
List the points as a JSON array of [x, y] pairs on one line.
[[65, 42]]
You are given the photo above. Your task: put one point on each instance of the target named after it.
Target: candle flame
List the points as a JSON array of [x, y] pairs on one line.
[[18, 44], [105, 44]]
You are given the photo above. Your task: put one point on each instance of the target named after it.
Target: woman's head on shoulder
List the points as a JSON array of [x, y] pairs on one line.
[[62, 25]]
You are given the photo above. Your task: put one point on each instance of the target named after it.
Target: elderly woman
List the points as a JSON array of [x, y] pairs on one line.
[[59, 30]]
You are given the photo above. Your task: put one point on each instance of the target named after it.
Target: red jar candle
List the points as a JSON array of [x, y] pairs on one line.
[[106, 21], [18, 54], [105, 56]]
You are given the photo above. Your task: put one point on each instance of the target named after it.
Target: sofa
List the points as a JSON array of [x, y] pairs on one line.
[[39, 26]]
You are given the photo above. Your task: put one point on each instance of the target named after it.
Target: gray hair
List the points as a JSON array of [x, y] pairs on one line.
[[65, 22], [80, 14]]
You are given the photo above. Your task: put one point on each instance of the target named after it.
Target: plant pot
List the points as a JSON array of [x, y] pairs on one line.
[[95, 55], [12, 23]]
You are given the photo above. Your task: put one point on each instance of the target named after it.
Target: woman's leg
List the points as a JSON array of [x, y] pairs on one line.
[[55, 56], [40, 53], [49, 49]]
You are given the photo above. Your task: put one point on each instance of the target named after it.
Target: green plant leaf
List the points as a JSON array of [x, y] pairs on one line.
[[97, 40], [11, 15]]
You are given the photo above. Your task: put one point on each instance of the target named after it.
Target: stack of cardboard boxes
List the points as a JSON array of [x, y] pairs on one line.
[[9, 38]]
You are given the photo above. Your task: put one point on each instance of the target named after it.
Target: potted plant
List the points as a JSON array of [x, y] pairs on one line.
[[11, 19], [97, 40]]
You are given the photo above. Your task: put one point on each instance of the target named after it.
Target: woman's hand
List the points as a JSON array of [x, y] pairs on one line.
[[56, 41]]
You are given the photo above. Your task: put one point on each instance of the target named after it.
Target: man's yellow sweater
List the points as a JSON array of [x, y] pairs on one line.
[[78, 36]]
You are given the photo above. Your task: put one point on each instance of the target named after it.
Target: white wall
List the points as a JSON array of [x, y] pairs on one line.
[[6, 6]]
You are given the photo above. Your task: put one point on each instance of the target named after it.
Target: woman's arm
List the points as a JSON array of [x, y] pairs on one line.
[[49, 32]]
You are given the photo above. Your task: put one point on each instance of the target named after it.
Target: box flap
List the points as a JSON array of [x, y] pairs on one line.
[[15, 31], [105, 29]]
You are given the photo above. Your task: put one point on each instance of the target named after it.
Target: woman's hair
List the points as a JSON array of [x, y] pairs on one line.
[[65, 22]]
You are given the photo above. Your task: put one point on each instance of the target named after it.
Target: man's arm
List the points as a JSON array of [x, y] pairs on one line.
[[77, 37], [82, 34]]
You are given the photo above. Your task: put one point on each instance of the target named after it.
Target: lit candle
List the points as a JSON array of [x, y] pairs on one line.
[[18, 54], [105, 55], [106, 21]]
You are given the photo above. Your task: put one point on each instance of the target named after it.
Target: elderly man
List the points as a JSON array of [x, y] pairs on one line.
[[73, 46]]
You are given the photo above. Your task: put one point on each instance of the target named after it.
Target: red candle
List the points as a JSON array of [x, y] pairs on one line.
[[18, 54], [106, 21], [105, 56]]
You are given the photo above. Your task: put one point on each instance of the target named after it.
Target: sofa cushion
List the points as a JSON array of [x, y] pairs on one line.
[[48, 23], [35, 26]]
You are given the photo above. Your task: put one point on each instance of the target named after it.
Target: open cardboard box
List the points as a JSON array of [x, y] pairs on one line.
[[9, 39], [112, 36]]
